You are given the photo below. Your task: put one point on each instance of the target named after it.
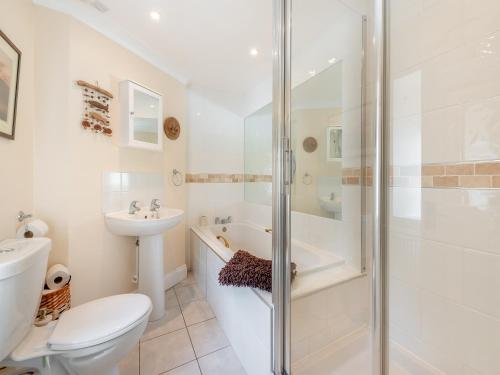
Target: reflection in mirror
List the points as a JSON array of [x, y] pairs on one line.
[[317, 118], [145, 117]]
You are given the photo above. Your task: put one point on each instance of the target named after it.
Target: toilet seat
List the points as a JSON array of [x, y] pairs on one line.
[[98, 321]]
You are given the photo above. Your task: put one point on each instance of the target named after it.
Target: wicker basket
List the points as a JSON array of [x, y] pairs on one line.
[[55, 302]]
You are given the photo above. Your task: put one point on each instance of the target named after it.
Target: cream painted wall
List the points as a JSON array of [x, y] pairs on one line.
[[16, 156], [57, 167], [95, 58]]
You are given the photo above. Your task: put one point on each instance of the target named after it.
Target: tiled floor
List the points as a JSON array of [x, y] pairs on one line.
[[187, 341]]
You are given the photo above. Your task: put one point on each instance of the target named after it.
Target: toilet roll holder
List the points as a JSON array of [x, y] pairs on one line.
[[21, 216]]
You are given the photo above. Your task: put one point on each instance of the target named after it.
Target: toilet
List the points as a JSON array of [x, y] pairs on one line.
[[89, 339]]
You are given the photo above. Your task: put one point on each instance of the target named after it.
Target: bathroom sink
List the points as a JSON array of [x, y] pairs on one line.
[[331, 205], [149, 228], [142, 223]]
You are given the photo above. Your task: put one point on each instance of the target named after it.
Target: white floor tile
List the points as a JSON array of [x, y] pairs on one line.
[[223, 361], [190, 368], [166, 352], [197, 311], [172, 321], [207, 337], [189, 293], [130, 364], [171, 299], [189, 280]]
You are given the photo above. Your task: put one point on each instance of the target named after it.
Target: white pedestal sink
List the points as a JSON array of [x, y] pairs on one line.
[[331, 205], [149, 229]]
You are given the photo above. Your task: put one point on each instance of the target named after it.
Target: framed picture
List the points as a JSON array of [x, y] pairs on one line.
[[10, 63], [333, 143]]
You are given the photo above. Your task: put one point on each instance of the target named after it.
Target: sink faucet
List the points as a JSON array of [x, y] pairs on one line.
[[132, 209], [155, 207]]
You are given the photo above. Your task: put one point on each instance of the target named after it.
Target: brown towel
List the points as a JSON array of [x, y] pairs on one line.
[[245, 269]]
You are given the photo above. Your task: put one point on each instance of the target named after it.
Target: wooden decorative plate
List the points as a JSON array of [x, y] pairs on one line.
[[310, 144], [172, 128]]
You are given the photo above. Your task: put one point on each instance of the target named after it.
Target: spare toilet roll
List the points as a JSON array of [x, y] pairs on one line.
[[35, 228], [57, 276]]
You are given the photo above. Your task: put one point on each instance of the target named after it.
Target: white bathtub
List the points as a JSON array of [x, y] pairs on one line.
[[324, 280], [316, 268], [255, 240]]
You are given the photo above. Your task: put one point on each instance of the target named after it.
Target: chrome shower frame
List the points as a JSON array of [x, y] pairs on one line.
[[282, 177]]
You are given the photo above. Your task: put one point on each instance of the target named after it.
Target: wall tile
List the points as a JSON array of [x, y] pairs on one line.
[[467, 218], [440, 269], [481, 282]]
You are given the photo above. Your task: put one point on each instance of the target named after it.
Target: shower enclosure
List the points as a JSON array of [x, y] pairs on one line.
[[386, 152], [321, 187]]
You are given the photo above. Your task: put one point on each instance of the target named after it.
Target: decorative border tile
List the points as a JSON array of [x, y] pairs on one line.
[[208, 178], [258, 178], [465, 175]]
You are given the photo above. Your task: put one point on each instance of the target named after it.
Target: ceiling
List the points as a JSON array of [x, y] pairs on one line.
[[203, 43]]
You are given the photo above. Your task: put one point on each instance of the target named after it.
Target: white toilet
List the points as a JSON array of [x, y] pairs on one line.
[[89, 339]]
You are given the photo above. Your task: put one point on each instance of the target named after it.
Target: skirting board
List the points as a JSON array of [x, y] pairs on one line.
[[174, 277]]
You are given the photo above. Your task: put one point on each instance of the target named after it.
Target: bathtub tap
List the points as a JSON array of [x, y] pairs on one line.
[[226, 242], [268, 230]]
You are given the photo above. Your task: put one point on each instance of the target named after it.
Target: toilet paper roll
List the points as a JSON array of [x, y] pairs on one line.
[[57, 277], [35, 228]]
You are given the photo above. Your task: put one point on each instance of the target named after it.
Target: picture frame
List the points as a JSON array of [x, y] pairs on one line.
[[334, 143], [10, 68]]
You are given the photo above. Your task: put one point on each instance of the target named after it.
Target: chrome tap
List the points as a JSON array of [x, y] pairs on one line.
[[155, 207], [132, 209], [227, 220]]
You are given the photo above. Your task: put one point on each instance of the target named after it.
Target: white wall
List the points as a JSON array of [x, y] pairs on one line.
[[215, 145], [215, 137], [444, 250]]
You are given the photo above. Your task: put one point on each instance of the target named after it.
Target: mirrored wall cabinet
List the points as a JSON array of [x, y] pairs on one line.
[[141, 117]]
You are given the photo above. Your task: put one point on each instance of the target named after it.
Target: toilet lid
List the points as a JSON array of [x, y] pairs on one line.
[[99, 321]]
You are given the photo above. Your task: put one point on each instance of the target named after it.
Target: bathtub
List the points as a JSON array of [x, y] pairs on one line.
[[316, 268], [325, 284], [255, 240]]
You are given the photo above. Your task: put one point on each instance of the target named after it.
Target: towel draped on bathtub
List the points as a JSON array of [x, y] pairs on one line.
[[245, 269]]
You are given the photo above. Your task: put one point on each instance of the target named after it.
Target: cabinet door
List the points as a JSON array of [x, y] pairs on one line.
[[143, 118]]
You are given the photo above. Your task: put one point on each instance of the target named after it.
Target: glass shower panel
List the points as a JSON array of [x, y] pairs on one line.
[[330, 295], [444, 258]]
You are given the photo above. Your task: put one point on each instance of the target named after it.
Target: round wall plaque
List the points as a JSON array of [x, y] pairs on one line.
[[172, 128], [310, 144]]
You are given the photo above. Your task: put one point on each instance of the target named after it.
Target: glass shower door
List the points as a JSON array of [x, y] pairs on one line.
[[322, 289]]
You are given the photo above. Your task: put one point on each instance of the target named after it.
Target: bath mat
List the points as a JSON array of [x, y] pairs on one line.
[[247, 270]]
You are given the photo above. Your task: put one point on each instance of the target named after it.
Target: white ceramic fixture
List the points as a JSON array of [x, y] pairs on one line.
[[141, 117], [331, 205], [90, 338], [149, 228]]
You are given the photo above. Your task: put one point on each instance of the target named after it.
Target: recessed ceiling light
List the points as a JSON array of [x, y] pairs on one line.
[[254, 52], [198, 114], [155, 16], [333, 60], [312, 73]]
